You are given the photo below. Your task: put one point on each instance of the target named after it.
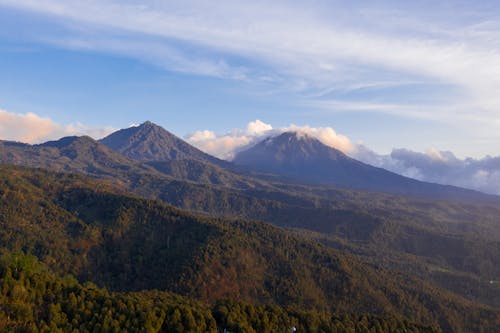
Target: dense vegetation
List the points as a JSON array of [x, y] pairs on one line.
[[125, 244], [34, 299]]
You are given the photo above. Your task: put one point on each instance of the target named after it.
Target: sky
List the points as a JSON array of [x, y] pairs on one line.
[[373, 78]]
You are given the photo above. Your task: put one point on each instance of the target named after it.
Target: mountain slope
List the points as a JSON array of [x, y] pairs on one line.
[[305, 158], [71, 154], [168, 154], [78, 226], [150, 142], [90, 157]]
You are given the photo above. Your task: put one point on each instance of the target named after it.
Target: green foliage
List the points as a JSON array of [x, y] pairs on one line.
[[34, 299]]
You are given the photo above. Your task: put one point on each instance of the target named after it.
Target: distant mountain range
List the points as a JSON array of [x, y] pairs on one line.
[[290, 159], [287, 158]]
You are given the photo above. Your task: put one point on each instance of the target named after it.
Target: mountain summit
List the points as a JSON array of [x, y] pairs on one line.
[[306, 159], [150, 142], [290, 149], [301, 156]]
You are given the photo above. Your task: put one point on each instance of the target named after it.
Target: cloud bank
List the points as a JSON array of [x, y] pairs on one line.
[[441, 167], [32, 128], [438, 167]]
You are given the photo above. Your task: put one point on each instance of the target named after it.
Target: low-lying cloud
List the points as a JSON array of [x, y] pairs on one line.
[[439, 167], [436, 166], [32, 128]]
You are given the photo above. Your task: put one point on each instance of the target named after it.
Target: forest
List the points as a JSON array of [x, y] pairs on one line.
[[109, 248]]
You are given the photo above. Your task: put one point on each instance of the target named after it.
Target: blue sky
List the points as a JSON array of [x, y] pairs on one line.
[[389, 74]]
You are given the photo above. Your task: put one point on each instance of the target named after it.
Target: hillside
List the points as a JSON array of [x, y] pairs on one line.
[[126, 243], [73, 154], [42, 301], [449, 243]]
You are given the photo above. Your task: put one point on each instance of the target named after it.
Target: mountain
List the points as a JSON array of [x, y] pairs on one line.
[[150, 142], [123, 243], [170, 155], [304, 158], [90, 157]]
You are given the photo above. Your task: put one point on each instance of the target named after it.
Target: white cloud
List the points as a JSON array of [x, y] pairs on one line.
[[258, 127], [226, 145], [326, 135], [32, 128]]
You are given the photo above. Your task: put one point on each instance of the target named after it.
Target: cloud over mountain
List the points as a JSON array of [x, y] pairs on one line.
[[432, 166], [32, 128], [226, 145]]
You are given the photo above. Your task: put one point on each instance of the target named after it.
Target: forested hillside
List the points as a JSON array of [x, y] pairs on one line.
[[453, 244], [34, 299], [97, 233]]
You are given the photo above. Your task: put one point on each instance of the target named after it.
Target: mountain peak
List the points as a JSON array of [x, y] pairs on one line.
[[291, 147], [303, 157], [292, 138], [149, 125], [306, 159], [151, 142]]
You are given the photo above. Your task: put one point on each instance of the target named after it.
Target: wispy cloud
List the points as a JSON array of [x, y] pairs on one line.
[[305, 47], [32, 128]]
